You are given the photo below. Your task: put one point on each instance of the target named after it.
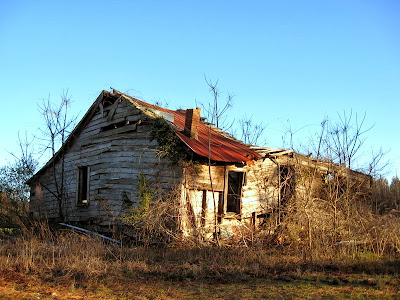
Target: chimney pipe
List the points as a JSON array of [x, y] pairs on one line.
[[192, 121]]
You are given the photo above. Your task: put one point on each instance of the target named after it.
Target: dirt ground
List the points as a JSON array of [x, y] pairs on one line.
[[17, 286]]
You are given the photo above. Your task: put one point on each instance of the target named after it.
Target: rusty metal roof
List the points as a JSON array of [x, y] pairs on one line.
[[211, 141]]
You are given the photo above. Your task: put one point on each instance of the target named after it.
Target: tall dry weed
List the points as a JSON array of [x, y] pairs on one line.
[[49, 254]]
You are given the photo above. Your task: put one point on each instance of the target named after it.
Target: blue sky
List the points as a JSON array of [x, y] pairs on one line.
[[286, 62]]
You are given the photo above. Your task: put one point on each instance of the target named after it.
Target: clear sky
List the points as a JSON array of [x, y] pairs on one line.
[[286, 62]]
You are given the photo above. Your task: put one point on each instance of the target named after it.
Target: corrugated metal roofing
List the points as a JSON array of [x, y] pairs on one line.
[[210, 142]]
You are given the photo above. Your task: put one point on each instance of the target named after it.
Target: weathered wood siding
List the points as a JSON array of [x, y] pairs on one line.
[[115, 158], [199, 194], [203, 206], [260, 192]]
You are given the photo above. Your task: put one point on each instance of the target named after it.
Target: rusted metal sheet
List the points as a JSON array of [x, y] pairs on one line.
[[209, 142]]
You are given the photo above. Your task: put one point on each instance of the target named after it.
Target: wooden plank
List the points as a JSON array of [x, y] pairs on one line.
[[98, 124], [113, 108], [122, 140]]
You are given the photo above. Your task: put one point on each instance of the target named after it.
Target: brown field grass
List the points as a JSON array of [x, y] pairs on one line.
[[68, 265], [125, 288]]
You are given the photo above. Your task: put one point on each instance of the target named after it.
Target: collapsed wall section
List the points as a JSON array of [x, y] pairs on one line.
[[227, 200]]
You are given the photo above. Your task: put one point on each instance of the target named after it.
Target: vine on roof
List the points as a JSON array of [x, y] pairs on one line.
[[169, 144]]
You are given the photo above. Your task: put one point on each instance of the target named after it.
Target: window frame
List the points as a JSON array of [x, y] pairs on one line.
[[83, 186], [238, 210]]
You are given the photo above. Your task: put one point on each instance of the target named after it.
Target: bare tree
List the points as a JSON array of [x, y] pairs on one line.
[[216, 109], [216, 114], [250, 131], [377, 164], [344, 138], [58, 126]]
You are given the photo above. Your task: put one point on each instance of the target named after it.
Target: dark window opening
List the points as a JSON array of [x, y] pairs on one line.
[[236, 180], [83, 186]]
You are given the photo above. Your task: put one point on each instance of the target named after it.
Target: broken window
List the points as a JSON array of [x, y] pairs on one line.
[[83, 186], [236, 180]]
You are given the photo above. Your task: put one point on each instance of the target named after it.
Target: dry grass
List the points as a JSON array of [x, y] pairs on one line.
[[70, 255], [62, 255], [64, 262]]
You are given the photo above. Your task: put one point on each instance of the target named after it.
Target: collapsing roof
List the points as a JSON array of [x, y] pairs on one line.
[[208, 141]]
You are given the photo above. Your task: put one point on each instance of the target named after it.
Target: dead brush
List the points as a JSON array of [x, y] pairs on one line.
[[72, 257], [155, 222], [29, 252], [64, 254], [79, 255]]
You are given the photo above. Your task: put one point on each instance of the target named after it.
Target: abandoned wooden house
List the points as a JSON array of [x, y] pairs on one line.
[[93, 179]]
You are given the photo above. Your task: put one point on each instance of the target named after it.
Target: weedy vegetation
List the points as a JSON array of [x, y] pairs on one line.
[[75, 264]]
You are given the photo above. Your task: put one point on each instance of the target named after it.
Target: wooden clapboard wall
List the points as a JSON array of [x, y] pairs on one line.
[[115, 146]]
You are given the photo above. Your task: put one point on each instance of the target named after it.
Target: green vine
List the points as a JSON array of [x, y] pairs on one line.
[[169, 144], [145, 195]]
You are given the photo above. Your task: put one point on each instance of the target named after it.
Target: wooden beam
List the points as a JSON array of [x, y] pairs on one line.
[[113, 109]]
